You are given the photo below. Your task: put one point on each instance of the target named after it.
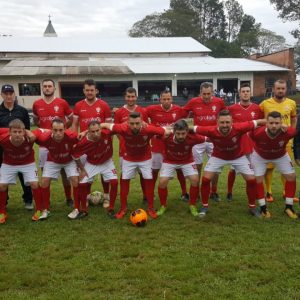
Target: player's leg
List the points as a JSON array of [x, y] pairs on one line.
[[3, 198], [268, 182], [67, 188], [184, 194], [230, 183], [286, 168], [146, 170], [166, 173], [27, 193]]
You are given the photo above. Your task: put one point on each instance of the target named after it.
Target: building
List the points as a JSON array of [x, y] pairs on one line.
[[148, 64]]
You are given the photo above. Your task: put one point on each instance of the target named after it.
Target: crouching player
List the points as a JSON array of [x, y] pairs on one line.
[[97, 145], [137, 156], [270, 147], [178, 155], [59, 142], [226, 138], [18, 156]]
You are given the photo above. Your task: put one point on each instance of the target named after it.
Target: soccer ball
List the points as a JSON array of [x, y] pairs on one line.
[[95, 198], [138, 217]]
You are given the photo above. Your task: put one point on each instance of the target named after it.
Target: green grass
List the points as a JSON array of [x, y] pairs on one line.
[[228, 255]]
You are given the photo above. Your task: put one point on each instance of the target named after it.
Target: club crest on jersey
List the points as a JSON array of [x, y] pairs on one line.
[[56, 108], [214, 108], [281, 143], [253, 114], [234, 139], [98, 109], [174, 116]]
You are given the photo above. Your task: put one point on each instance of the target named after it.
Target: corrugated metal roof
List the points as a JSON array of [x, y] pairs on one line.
[[205, 64], [101, 45], [121, 66]]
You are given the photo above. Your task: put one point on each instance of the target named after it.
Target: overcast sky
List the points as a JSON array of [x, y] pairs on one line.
[[111, 18]]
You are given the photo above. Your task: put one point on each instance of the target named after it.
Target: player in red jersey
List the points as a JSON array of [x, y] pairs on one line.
[[45, 110], [165, 114], [59, 142], [227, 138], [90, 109], [18, 156], [137, 155], [243, 111], [178, 155], [270, 147], [205, 110], [97, 145], [121, 116]]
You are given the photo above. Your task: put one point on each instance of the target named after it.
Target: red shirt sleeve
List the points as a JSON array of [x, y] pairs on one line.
[[205, 130], [68, 111]]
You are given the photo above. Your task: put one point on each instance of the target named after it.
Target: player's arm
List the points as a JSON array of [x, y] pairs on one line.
[[293, 121], [69, 121], [80, 166], [260, 122], [75, 124], [203, 130]]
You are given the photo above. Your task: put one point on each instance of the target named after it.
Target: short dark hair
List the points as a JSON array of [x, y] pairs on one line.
[[243, 85], [90, 82], [205, 85], [274, 114], [58, 121], [93, 122], [48, 79], [134, 115], [181, 125], [281, 81], [130, 90], [224, 112], [16, 123], [165, 92]]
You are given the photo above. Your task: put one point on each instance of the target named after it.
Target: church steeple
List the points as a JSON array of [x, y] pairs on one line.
[[50, 32]]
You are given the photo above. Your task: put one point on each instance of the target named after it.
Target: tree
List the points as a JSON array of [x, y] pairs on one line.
[[270, 42], [289, 10], [248, 35], [234, 16]]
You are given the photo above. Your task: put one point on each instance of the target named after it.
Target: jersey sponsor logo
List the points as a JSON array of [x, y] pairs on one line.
[[207, 118], [105, 141], [40, 109], [82, 110]]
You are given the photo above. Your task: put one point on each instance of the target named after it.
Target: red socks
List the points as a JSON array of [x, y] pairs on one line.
[[3, 197], [45, 198], [194, 193], [37, 196], [67, 189], [163, 195], [205, 188], [124, 190], [230, 181], [290, 189], [251, 192], [113, 192]]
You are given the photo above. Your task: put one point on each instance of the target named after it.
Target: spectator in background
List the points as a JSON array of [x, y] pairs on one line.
[[185, 93], [229, 97]]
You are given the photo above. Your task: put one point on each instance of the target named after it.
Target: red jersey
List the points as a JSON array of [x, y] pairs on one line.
[[137, 147], [85, 112], [205, 114], [12, 155], [121, 116], [268, 147], [161, 117], [226, 147], [97, 152], [59, 152], [246, 113], [46, 112], [181, 153]]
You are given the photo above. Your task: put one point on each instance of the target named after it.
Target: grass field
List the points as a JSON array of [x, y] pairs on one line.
[[228, 255]]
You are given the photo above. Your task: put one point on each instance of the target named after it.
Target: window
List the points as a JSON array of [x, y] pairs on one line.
[[29, 89]]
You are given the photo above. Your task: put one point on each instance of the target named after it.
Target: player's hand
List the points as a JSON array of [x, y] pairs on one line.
[[82, 174], [114, 109], [31, 137], [144, 124], [284, 127], [168, 131], [82, 134]]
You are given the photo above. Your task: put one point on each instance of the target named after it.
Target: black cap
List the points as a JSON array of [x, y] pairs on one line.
[[7, 88]]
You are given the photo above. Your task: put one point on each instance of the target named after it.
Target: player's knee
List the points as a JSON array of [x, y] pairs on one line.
[[34, 185], [3, 187]]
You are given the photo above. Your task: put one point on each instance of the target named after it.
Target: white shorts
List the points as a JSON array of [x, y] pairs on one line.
[[107, 170], [52, 169], [284, 164], [43, 153], [9, 173], [157, 160], [167, 170], [240, 164], [129, 169], [199, 150]]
